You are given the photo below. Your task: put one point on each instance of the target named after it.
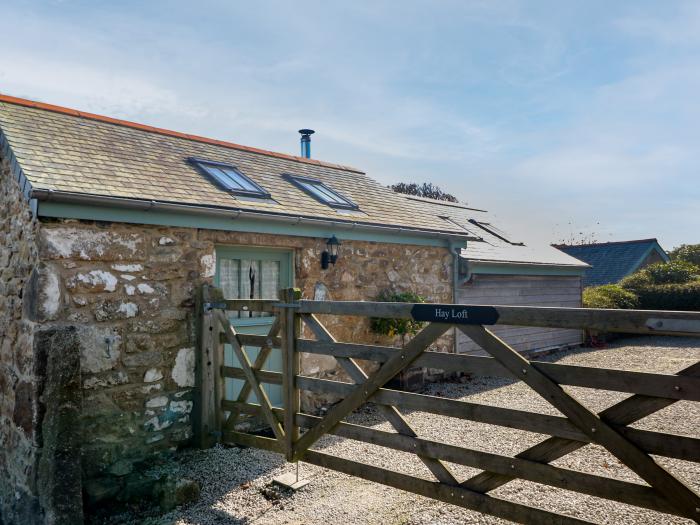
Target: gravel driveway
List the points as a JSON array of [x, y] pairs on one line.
[[236, 482]]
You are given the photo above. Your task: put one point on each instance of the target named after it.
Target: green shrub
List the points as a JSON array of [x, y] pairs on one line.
[[636, 281], [686, 252], [394, 327], [608, 296], [674, 296], [672, 272]]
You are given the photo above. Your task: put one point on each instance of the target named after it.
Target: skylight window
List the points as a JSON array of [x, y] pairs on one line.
[[319, 191], [500, 234], [230, 178]]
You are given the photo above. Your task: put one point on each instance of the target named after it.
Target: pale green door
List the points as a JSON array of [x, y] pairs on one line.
[[253, 273]]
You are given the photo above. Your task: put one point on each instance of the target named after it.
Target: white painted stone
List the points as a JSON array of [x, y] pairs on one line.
[[166, 241], [320, 292], [98, 278], [157, 402], [183, 371], [145, 288], [208, 265], [130, 290], [152, 375], [127, 277], [181, 407], [151, 388], [127, 267], [155, 424], [80, 301], [100, 348], [67, 242], [129, 309], [50, 293]]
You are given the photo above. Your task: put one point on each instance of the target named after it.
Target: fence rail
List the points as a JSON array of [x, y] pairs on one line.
[[577, 427]]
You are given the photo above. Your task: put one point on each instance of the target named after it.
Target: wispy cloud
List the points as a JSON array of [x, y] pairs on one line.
[[549, 113]]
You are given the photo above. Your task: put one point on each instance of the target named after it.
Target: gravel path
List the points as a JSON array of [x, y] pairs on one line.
[[235, 482]]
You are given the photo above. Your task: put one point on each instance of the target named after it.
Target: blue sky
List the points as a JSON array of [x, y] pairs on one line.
[[559, 117]]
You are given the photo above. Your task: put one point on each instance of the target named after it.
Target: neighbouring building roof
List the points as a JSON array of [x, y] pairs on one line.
[[64, 153], [611, 261], [495, 246]]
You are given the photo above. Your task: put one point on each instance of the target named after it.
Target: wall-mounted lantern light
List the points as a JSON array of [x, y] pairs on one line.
[[330, 255]]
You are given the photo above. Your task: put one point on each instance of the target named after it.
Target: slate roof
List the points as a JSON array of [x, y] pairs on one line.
[[611, 261], [494, 244], [66, 150]]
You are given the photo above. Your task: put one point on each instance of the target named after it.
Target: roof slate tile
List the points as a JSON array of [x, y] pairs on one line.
[[64, 151]]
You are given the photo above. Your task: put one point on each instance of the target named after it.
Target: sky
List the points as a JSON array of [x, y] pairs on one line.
[[566, 120]]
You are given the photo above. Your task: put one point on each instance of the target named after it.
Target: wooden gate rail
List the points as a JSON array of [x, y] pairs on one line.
[[656, 443], [652, 384], [578, 426], [625, 492], [608, 320]]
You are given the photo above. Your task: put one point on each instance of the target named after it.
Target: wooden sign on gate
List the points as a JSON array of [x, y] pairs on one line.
[[455, 314]]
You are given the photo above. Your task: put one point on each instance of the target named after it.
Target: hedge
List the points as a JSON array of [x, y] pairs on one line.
[[684, 296], [609, 296], [674, 272]]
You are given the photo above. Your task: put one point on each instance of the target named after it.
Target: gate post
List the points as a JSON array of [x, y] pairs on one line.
[[290, 331], [207, 376]]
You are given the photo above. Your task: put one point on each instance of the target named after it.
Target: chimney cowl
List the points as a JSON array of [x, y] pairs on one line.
[[306, 142]]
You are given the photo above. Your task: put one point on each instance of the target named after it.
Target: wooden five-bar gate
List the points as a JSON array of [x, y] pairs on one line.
[[579, 426]]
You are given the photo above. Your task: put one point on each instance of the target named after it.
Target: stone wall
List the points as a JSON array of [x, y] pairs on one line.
[[129, 291], [19, 381]]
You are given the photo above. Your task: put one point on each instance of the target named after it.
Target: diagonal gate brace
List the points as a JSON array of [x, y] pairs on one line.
[[439, 470], [374, 382], [675, 491]]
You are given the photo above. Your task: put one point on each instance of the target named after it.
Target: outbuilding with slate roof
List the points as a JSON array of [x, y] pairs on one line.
[[612, 261]]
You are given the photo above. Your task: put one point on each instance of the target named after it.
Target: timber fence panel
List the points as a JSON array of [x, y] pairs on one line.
[[439, 470], [578, 426], [676, 491], [249, 375], [266, 347], [386, 372]]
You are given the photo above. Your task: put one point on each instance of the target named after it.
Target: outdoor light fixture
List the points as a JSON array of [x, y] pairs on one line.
[[330, 255]]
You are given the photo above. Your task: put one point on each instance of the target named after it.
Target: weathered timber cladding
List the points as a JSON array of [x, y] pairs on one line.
[[521, 290]]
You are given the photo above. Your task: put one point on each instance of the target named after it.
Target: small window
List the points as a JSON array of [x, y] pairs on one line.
[[230, 178], [321, 192]]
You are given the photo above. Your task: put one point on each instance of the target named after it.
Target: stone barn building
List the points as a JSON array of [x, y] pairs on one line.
[[108, 230]]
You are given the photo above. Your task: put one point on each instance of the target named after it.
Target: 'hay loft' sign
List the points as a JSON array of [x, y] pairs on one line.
[[449, 313]]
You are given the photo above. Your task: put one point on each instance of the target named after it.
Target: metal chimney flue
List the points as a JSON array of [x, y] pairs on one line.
[[306, 142]]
